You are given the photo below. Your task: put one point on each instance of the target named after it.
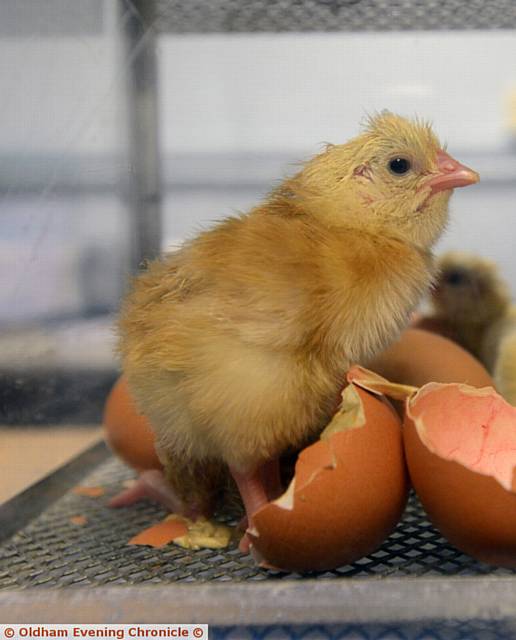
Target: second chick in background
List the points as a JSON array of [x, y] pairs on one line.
[[471, 304]]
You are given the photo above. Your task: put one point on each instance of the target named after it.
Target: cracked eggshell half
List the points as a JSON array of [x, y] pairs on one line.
[[460, 446], [348, 491]]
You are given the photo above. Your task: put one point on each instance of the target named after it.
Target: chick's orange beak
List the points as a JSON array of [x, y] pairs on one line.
[[450, 174]]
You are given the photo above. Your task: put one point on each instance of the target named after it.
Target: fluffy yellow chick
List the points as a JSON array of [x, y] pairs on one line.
[[236, 346], [471, 304]]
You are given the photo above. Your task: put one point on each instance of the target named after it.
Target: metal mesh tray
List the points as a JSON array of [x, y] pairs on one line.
[[202, 16], [60, 572]]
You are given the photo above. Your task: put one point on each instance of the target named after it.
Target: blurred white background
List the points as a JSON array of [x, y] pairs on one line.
[[236, 111]]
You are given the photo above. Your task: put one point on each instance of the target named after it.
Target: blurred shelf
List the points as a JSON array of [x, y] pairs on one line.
[[56, 372], [62, 344], [188, 170], [247, 16], [48, 397]]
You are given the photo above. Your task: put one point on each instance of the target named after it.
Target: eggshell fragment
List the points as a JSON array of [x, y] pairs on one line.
[[161, 534], [128, 432], [348, 492], [461, 451], [90, 492], [189, 534]]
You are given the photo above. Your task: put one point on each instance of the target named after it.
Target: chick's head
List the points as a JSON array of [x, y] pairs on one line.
[[469, 289], [394, 178]]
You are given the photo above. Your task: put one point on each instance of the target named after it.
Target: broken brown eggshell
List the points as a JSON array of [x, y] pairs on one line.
[[348, 491], [460, 445], [461, 451]]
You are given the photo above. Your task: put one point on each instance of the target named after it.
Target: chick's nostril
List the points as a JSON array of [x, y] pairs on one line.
[[446, 163]]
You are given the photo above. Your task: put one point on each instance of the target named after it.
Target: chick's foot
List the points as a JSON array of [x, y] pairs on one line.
[[153, 485]]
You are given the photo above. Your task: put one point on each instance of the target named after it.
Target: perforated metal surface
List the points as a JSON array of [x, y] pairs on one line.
[[52, 551], [331, 15], [389, 597], [456, 630]]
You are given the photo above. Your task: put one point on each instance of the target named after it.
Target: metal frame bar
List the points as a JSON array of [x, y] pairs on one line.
[[144, 188], [354, 601], [17, 512]]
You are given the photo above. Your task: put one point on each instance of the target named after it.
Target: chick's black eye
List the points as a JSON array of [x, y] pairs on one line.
[[399, 166], [455, 277]]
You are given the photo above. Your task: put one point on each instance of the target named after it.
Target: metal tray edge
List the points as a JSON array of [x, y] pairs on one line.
[[356, 601], [17, 512]]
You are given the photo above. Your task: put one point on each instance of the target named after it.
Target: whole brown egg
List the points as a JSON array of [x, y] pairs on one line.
[[420, 356], [127, 431]]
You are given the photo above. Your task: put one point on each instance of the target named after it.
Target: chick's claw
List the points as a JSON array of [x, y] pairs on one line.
[[153, 485]]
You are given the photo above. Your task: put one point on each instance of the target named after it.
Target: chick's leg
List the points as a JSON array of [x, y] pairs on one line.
[[271, 478], [256, 488]]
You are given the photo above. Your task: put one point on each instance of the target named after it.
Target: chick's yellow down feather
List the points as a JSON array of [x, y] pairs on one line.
[[236, 345]]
